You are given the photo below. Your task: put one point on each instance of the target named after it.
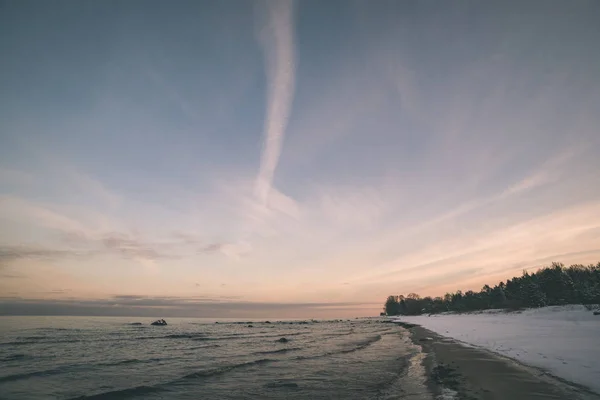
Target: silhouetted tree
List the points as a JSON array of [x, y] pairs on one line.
[[553, 285], [391, 306]]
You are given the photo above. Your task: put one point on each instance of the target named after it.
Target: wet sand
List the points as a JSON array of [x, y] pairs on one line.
[[479, 374]]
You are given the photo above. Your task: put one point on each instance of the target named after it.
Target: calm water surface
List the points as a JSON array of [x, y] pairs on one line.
[[109, 358]]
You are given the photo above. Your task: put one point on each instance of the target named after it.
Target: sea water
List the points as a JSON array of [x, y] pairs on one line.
[[116, 358]]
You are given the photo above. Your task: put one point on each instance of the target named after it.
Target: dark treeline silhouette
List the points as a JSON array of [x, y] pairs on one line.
[[554, 285]]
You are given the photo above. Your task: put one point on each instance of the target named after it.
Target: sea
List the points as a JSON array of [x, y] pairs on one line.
[[127, 358]]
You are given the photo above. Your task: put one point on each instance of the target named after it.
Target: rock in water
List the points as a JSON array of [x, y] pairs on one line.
[[283, 340], [159, 322]]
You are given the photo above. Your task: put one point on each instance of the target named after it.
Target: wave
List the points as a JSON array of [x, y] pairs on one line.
[[278, 335], [198, 336], [279, 384], [66, 341], [27, 342], [359, 346], [147, 390], [118, 337], [58, 329], [259, 334], [192, 336], [18, 343], [15, 357], [200, 374], [129, 361], [279, 351], [183, 336], [208, 346], [27, 375], [122, 394], [34, 337], [125, 362], [236, 337], [221, 370]]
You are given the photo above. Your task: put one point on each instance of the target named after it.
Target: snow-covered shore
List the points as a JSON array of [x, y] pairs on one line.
[[564, 341]]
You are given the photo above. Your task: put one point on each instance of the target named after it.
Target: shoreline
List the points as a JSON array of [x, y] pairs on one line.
[[456, 371]]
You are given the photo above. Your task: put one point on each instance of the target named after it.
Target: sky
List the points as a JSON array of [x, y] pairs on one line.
[[291, 159]]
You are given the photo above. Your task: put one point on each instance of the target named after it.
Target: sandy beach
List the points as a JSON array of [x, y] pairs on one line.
[[458, 371]]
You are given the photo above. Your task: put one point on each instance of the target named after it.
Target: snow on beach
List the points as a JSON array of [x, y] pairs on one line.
[[563, 340]]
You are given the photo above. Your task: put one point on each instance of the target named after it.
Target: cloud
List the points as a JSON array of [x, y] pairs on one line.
[[92, 187], [573, 230], [264, 208], [130, 247], [17, 208], [126, 245], [547, 172], [355, 206], [211, 248], [496, 274], [277, 39], [10, 254], [234, 250], [281, 203], [188, 238], [237, 250]]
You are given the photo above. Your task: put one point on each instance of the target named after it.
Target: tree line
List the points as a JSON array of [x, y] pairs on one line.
[[553, 285]]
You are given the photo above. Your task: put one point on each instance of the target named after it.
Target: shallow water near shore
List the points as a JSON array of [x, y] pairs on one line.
[[100, 357]]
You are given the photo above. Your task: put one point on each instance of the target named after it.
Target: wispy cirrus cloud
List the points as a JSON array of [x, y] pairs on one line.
[[13, 207], [129, 246], [73, 231], [12, 255], [92, 187], [277, 39], [545, 237], [261, 205]]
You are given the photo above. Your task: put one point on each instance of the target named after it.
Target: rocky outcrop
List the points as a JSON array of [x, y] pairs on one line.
[[159, 322]]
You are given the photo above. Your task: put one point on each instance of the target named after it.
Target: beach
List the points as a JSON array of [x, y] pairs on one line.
[[461, 372], [548, 353]]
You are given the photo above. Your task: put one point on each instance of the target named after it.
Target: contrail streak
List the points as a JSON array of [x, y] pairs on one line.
[[278, 47]]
